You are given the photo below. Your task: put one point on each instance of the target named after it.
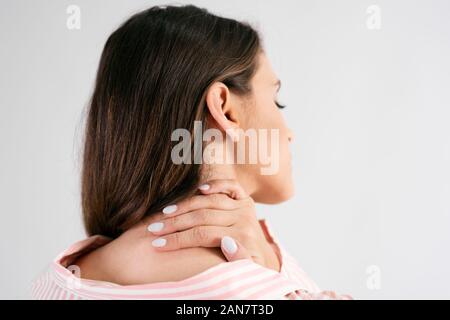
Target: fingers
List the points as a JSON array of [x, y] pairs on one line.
[[209, 201], [227, 186], [192, 219], [216, 194], [233, 250], [202, 220], [203, 236]]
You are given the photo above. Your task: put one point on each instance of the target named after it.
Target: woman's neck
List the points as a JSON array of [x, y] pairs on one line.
[[218, 168]]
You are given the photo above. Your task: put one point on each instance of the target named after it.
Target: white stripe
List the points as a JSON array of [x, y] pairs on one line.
[[52, 288], [59, 295], [293, 267], [54, 292], [45, 288], [199, 285], [304, 278], [295, 276], [34, 287], [229, 286], [263, 286], [279, 293], [59, 281], [62, 294], [39, 291], [38, 284]]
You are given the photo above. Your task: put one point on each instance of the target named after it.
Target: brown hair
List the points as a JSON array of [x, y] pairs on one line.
[[152, 78]]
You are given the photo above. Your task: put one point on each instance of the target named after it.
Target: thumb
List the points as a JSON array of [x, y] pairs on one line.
[[233, 250]]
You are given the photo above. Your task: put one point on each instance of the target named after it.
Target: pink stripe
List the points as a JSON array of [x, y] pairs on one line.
[[189, 293], [79, 294], [235, 292], [267, 290], [293, 274], [41, 290], [36, 288], [312, 286], [46, 291], [301, 274], [206, 275], [192, 293], [52, 292], [61, 294], [299, 281], [56, 293], [49, 291], [53, 284], [46, 287]]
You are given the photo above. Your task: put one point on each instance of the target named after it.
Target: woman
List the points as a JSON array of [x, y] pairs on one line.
[[161, 228]]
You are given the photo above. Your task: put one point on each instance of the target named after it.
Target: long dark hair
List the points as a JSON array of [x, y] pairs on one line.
[[152, 78]]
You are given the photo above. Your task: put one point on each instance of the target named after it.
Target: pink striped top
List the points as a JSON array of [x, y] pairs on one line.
[[240, 279]]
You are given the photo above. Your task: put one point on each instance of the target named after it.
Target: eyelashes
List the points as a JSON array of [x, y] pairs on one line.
[[280, 106]]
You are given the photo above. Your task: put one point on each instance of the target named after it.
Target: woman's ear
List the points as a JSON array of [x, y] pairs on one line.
[[222, 108]]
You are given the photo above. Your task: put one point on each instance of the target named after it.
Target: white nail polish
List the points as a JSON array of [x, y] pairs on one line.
[[160, 242], [204, 187], [156, 226], [229, 244], [170, 209]]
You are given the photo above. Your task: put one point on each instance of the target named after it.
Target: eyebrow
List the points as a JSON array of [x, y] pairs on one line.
[[278, 84]]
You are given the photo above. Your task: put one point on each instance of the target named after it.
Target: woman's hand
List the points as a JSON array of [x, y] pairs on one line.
[[221, 214]]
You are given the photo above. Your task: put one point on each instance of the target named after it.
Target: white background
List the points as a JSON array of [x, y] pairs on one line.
[[370, 110]]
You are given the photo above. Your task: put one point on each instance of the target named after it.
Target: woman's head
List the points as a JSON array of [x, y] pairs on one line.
[[157, 72], [260, 156]]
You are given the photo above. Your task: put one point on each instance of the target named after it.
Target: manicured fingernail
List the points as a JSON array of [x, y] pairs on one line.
[[156, 226], [229, 244], [204, 187], [160, 242], [170, 209]]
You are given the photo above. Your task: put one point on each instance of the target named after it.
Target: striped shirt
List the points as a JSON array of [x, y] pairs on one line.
[[241, 279]]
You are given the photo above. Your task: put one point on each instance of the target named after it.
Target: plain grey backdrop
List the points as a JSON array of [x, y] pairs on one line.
[[369, 106]]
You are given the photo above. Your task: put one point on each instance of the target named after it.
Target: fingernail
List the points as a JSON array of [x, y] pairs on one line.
[[204, 187], [229, 244], [156, 226], [170, 209], [160, 242]]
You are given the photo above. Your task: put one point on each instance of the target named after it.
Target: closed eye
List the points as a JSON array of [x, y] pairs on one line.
[[280, 106]]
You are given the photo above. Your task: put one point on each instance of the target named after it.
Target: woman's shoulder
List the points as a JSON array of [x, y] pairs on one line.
[[131, 260]]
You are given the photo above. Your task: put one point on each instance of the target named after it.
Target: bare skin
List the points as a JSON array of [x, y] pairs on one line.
[[131, 259]]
